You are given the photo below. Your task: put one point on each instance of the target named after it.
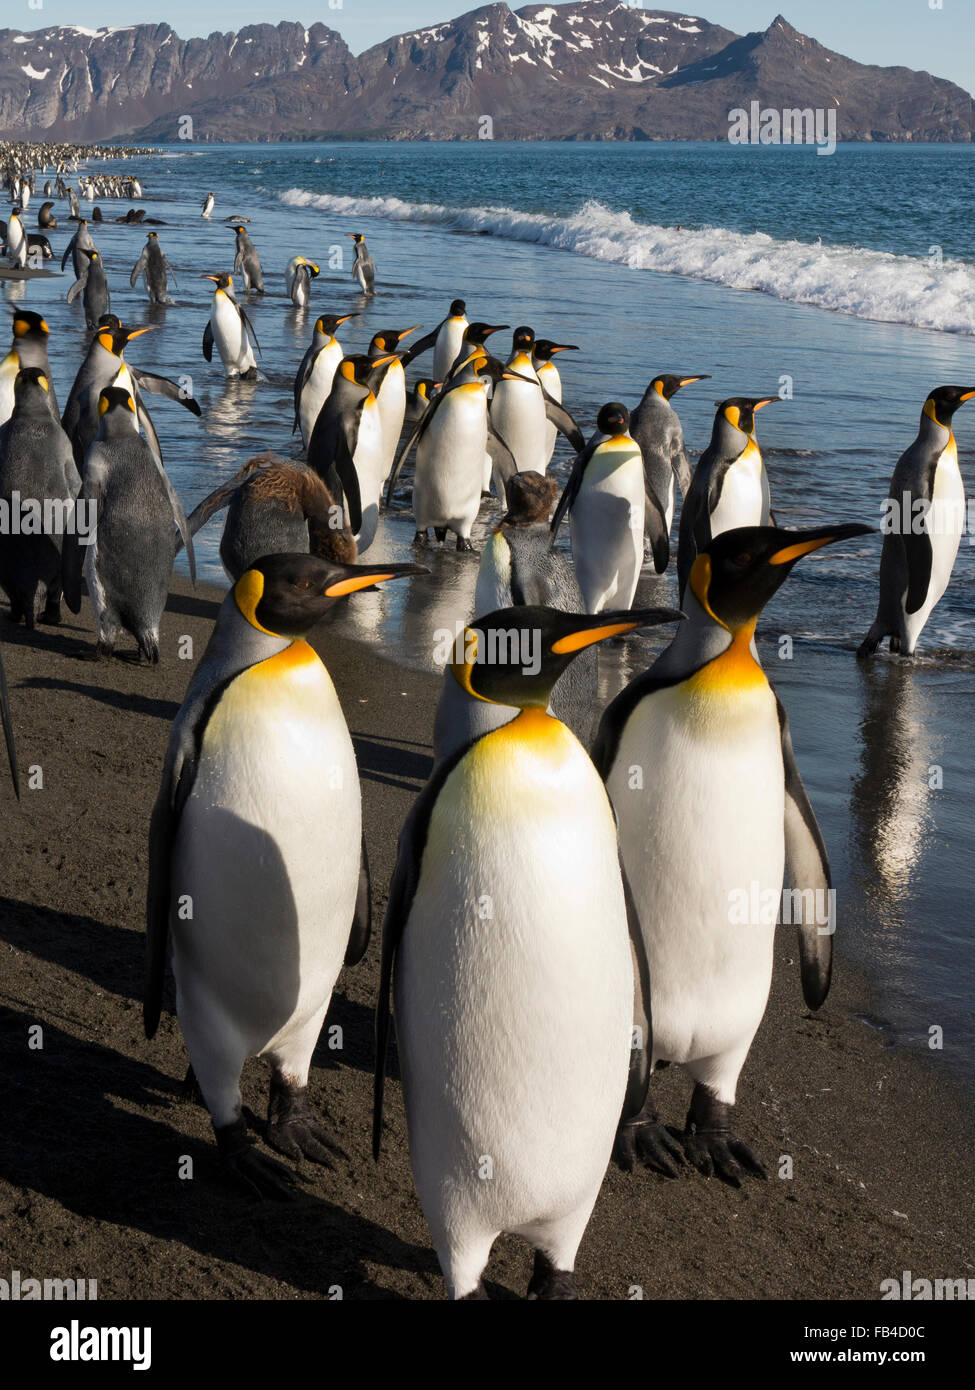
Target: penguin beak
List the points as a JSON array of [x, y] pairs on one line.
[[604, 625], [381, 361], [769, 400], [563, 347], [8, 729], [808, 541], [138, 332], [214, 278], [497, 329], [358, 577], [407, 331], [967, 396], [345, 318], [687, 380]]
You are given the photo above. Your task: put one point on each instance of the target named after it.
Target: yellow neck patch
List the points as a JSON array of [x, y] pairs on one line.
[[248, 592], [734, 671]]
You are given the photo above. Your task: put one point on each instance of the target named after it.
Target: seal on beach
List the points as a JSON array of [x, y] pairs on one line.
[[605, 499], [730, 486], [258, 826], [713, 819], [507, 933], [925, 517], [230, 329], [656, 427]]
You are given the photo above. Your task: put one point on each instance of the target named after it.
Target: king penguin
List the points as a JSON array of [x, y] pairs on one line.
[[29, 349], [247, 261], [542, 352], [129, 563], [452, 439], [313, 380], [229, 327], [605, 500], [346, 445], [508, 937], [713, 819], [155, 268], [258, 825], [363, 266], [79, 243], [36, 463], [298, 276], [730, 486], [92, 285], [391, 391], [924, 518], [16, 241], [520, 408], [656, 427], [446, 339], [207, 208]]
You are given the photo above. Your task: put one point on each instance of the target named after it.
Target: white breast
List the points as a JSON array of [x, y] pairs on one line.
[[741, 501]]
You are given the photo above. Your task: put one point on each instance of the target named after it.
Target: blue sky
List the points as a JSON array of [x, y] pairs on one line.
[[908, 32]]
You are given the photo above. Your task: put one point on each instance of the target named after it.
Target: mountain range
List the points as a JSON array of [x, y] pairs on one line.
[[594, 70]]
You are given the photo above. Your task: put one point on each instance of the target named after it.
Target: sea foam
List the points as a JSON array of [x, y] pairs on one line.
[[922, 292]]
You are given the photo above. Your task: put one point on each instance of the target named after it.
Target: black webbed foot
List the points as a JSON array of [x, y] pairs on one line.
[[710, 1144]]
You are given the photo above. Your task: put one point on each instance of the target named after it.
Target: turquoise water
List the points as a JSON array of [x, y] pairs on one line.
[[763, 267]]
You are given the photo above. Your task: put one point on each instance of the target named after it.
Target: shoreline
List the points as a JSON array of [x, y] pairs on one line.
[[95, 1127]]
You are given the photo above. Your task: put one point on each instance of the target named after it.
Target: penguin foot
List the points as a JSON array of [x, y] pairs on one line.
[[250, 1170], [646, 1141], [549, 1283], [420, 540], [51, 614], [710, 1144], [465, 543], [103, 649], [292, 1131], [441, 533]]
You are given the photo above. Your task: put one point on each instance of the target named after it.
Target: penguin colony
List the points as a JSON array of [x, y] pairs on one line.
[[527, 1034]]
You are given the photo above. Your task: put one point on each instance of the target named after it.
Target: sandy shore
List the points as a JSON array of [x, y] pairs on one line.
[[93, 1125]]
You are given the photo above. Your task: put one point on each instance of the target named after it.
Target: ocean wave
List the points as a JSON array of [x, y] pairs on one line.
[[867, 284]]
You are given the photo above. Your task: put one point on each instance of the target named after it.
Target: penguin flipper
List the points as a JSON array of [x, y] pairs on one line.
[[8, 728], [656, 529], [402, 890], [67, 251], [170, 272], [682, 470], [179, 774], [338, 473], [249, 327], [806, 869], [138, 268], [162, 386], [557, 415], [418, 432], [208, 341], [641, 1046], [502, 458], [919, 555], [301, 376], [362, 920], [571, 489], [424, 345], [78, 286]]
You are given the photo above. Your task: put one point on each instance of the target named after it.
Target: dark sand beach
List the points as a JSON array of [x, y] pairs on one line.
[[94, 1126]]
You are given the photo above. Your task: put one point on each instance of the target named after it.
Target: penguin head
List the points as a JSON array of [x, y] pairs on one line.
[[736, 417], [328, 324], [514, 656], [223, 281], [357, 237], [736, 575], [544, 349], [151, 235], [113, 337], [358, 370], [313, 269], [285, 595], [522, 339], [613, 419], [31, 388], [942, 403], [478, 333], [116, 412], [457, 308], [387, 340], [28, 325], [531, 497], [668, 385]]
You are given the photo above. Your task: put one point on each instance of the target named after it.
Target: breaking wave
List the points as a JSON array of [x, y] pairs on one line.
[[879, 285]]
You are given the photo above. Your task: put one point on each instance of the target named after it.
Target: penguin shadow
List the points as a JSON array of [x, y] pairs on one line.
[[110, 957], [56, 638], [129, 701], [79, 1129], [190, 606], [393, 762]]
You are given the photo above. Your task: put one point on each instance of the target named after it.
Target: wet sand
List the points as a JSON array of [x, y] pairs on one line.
[[93, 1124]]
